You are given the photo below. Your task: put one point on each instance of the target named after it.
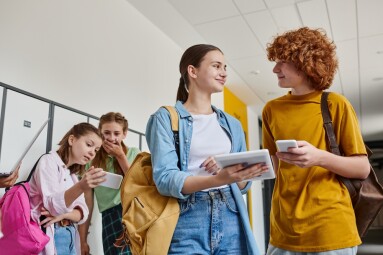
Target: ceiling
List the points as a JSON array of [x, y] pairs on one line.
[[242, 29]]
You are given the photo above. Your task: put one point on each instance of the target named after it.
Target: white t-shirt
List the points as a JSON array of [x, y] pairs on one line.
[[208, 139]]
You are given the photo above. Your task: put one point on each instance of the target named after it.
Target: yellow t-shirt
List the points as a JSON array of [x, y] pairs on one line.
[[311, 210]]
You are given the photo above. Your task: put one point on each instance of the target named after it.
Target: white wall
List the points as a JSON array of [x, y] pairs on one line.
[[92, 55]]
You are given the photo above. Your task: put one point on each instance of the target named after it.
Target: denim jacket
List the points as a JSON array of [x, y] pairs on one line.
[[166, 173]]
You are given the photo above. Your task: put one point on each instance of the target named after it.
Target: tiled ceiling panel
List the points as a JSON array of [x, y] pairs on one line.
[[349, 71], [278, 3], [370, 17], [347, 52], [336, 84], [233, 36], [317, 19], [246, 6], [371, 52], [343, 19], [201, 11], [257, 73], [263, 26], [287, 18], [372, 104], [350, 85]]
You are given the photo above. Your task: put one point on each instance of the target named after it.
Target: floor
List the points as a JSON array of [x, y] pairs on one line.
[[372, 243]]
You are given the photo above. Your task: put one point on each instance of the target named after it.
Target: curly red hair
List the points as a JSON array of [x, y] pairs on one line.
[[311, 51]]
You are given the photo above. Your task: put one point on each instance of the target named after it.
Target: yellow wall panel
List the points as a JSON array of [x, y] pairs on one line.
[[238, 109]]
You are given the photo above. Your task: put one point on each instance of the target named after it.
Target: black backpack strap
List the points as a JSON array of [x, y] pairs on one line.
[[29, 176], [34, 168]]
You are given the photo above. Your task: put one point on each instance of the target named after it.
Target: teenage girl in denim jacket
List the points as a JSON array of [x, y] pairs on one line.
[[213, 218]]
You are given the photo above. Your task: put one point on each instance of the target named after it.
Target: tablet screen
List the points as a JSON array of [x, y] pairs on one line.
[[249, 157]]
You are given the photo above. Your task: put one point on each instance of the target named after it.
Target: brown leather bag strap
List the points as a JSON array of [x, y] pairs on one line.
[[327, 122]]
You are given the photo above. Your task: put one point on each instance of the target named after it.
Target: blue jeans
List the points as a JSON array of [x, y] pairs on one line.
[[209, 223], [65, 240], [272, 250]]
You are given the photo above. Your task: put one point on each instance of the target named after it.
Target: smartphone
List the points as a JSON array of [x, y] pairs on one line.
[[283, 145], [112, 181]]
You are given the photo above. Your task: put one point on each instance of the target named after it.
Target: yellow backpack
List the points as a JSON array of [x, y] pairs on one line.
[[148, 218]]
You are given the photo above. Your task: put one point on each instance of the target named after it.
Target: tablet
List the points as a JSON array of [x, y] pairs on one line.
[[112, 181], [249, 157], [29, 146]]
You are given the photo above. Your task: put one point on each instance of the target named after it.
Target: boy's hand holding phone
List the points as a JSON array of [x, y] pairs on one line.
[[284, 145]]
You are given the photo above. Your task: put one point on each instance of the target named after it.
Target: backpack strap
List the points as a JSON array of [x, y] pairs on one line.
[[334, 147], [29, 176], [34, 168], [173, 117], [175, 128], [327, 122]]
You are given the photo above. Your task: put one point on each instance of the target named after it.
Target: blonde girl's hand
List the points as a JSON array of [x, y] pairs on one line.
[[114, 149], [210, 166], [92, 178], [241, 172]]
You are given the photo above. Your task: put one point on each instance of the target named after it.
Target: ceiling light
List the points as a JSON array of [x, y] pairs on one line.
[[255, 72]]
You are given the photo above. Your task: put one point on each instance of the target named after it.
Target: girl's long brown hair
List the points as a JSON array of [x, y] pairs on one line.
[[192, 56], [79, 130], [102, 156]]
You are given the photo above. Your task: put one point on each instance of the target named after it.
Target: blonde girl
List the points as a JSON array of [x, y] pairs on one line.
[[114, 157]]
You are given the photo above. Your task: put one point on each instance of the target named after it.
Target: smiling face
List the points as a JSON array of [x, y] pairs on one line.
[[113, 132], [288, 75], [210, 75], [83, 148]]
